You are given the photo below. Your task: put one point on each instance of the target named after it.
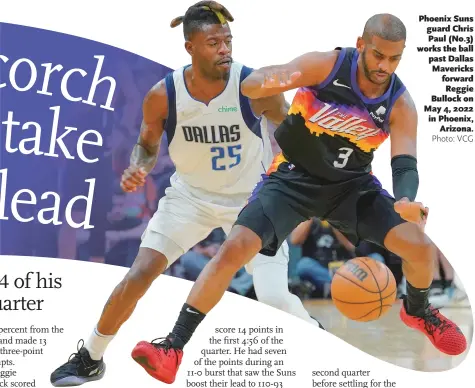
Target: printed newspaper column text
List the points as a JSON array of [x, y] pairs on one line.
[[348, 379], [451, 57], [20, 344], [251, 357]]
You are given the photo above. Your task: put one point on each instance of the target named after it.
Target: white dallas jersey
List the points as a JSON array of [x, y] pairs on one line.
[[221, 147]]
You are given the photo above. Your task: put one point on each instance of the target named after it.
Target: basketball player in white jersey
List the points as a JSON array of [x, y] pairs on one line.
[[219, 143]]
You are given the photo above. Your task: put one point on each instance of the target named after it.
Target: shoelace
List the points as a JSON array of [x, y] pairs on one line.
[[165, 344], [433, 322], [77, 357]]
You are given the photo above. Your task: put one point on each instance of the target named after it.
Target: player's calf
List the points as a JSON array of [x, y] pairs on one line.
[[417, 251], [148, 265], [420, 250], [238, 249]]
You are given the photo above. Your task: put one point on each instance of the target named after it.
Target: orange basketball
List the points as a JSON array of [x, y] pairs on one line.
[[363, 289]]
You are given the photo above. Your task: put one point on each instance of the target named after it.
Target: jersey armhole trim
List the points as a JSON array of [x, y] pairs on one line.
[[246, 111], [170, 122], [336, 67]]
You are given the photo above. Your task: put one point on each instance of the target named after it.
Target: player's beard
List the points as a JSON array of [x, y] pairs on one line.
[[214, 74], [223, 76], [369, 73]]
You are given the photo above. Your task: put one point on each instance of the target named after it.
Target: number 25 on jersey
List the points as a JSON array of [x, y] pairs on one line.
[[225, 157]]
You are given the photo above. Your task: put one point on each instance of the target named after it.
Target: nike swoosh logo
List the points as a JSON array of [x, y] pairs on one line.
[[95, 367], [191, 311], [336, 83]]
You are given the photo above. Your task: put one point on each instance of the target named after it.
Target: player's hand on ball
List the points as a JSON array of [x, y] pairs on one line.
[[131, 178], [414, 212], [274, 78]]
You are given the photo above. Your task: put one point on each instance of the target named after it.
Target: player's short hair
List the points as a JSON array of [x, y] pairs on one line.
[[384, 26], [201, 14]]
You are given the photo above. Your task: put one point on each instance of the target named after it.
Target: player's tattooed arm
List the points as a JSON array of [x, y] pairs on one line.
[[306, 70], [155, 112], [145, 153], [274, 108]]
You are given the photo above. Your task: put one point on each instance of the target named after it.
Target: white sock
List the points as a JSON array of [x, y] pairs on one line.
[[97, 344], [271, 284]]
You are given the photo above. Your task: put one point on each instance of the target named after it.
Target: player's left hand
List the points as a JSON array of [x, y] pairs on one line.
[[414, 212]]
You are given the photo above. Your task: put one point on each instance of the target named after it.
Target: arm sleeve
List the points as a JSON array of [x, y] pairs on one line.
[[405, 177]]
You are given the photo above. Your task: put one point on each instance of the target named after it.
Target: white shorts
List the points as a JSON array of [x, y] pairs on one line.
[[183, 219]]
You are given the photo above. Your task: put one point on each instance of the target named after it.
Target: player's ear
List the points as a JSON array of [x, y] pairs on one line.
[[360, 43], [189, 47]]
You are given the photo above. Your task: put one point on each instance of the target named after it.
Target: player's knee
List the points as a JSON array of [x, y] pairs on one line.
[[145, 270], [230, 254], [139, 278], [235, 252]]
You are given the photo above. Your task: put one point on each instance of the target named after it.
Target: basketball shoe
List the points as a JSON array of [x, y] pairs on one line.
[[444, 334], [159, 359], [79, 369]]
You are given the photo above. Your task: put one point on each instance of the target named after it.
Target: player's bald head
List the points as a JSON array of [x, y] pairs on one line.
[[384, 26]]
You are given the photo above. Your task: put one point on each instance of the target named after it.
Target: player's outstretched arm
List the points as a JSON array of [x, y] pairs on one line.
[[145, 152], [306, 70], [403, 124]]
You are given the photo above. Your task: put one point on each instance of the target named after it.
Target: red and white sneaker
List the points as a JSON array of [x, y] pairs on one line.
[[444, 334], [159, 359]]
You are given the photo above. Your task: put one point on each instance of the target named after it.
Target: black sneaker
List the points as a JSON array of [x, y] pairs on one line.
[[79, 369]]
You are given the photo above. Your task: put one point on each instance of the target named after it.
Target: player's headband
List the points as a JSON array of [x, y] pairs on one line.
[[220, 11]]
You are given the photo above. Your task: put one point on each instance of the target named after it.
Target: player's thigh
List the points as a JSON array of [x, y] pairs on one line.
[[376, 217], [176, 226], [271, 226]]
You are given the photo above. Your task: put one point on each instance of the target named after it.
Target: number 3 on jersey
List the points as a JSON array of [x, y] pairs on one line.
[[232, 152], [342, 158]]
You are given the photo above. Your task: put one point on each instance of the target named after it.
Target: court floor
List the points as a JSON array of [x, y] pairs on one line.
[[390, 340]]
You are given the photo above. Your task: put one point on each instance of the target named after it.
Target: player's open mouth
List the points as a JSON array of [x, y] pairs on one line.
[[226, 63]]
